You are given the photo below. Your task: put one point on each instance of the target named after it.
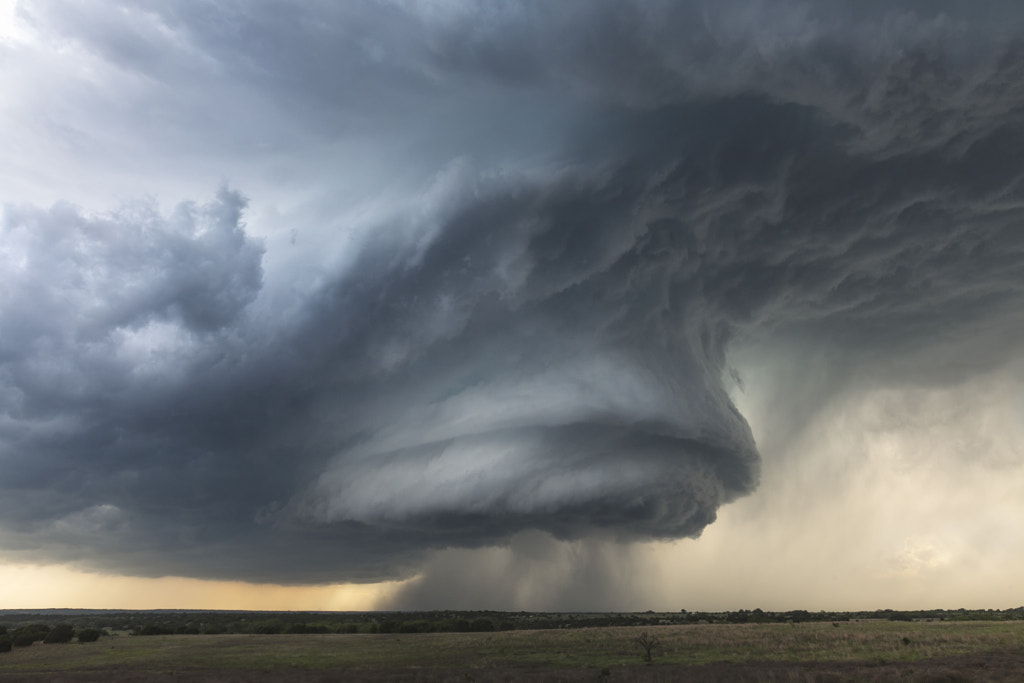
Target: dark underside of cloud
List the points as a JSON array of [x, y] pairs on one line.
[[537, 343]]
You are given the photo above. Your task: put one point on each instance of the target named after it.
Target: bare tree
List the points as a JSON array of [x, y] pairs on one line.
[[648, 644]]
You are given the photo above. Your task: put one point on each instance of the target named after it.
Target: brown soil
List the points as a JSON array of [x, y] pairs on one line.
[[990, 667]]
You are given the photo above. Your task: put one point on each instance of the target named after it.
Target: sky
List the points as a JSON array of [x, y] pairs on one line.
[[587, 305]]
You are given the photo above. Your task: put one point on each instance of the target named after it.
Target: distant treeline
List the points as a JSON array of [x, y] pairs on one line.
[[173, 622]]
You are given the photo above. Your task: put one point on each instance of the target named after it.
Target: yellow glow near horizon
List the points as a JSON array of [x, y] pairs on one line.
[[55, 586]]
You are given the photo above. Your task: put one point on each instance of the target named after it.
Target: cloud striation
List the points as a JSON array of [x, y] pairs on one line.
[[587, 204]]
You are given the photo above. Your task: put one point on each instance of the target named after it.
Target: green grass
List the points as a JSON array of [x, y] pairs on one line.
[[588, 647]]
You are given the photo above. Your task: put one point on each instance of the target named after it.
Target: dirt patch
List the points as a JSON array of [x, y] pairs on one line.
[[993, 667]]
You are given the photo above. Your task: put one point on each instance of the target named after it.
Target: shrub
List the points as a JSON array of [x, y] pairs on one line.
[[26, 635], [480, 625], [5, 643], [421, 626], [61, 633], [453, 625], [23, 639], [89, 635], [269, 627], [153, 630]]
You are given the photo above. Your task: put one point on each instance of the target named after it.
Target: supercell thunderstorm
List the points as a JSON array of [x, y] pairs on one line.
[[592, 203]]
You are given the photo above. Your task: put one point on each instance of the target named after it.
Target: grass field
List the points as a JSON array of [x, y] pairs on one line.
[[595, 652]]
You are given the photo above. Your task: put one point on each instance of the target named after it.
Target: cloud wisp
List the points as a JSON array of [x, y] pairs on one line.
[[582, 214]]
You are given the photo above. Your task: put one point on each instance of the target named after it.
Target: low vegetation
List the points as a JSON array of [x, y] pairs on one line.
[[188, 622], [409, 644], [30, 634]]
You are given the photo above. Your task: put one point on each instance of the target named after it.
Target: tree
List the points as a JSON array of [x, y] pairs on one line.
[[61, 633], [481, 625], [648, 644], [89, 635], [26, 635]]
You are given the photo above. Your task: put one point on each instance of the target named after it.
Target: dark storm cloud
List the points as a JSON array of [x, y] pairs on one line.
[[536, 338]]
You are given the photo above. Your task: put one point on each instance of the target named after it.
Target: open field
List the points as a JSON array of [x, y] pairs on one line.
[[866, 650]]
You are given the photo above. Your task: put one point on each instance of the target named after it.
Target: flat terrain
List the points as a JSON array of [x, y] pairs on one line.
[[876, 650]]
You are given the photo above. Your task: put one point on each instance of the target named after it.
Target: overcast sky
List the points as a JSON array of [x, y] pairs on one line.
[[519, 305]]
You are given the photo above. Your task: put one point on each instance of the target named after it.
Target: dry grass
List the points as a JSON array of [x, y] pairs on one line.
[[877, 643]]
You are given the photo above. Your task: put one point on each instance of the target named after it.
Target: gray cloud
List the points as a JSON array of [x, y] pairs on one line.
[[534, 571], [588, 212]]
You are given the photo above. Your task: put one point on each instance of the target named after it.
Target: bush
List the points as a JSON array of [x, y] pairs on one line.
[[61, 633], [23, 639], [26, 635], [268, 627], [89, 635], [481, 625], [153, 630], [5, 643]]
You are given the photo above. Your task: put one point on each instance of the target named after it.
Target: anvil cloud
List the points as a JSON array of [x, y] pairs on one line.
[[472, 270]]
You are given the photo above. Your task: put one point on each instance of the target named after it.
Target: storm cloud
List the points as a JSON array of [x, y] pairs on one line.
[[519, 245]]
